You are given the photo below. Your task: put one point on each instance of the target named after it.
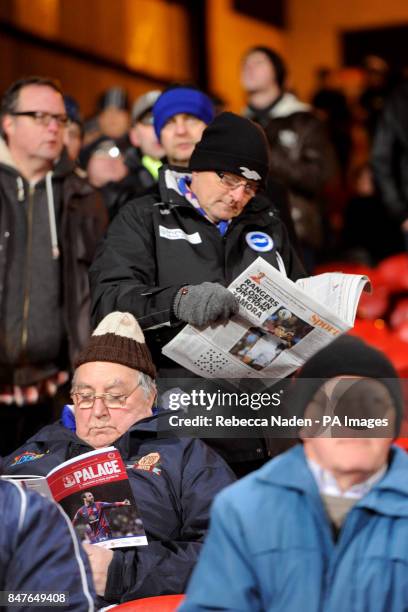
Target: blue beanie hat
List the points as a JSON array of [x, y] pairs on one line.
[[181, 100]]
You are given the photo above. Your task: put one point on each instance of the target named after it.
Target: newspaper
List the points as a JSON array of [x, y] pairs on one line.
[[95, 493], [280, 324]]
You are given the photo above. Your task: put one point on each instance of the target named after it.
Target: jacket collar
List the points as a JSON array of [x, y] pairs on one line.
[[389, 496], [168, 185], [288, 105], [288, 470]]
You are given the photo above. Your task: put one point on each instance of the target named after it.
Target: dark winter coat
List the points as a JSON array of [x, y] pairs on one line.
[[34, 341], [390, 154], [302, 158], [174, 501]]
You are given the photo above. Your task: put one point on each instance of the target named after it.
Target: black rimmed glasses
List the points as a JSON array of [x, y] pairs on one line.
[[85, 400], [42, 118], [231, 182]]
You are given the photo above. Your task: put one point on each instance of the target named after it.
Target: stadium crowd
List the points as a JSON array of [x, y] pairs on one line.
[[117, 230]]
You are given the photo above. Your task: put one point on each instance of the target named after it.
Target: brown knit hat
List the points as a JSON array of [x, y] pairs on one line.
[[119, 339]]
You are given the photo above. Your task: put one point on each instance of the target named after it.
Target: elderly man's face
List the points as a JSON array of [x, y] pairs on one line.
[[99, 425], [360, 457], [222, 198], [348, 456]]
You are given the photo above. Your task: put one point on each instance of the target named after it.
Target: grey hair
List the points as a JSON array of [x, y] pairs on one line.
[[147, 383]]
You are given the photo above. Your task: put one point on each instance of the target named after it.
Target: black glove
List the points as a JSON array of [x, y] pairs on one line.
[[202, 304]]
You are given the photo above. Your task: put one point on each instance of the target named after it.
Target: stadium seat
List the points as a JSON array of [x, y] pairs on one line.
[[393, 272], [402, 442], [378, 335], [162, 603], [401, 332], [399, 315], [373, 305], [347, 267], [373, 332]]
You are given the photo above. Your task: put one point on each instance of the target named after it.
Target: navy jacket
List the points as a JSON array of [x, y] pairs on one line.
[[173, 491], [39, 550]]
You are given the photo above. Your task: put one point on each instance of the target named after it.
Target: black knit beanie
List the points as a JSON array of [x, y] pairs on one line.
[[233, 144], [119, 339], [348, 356]]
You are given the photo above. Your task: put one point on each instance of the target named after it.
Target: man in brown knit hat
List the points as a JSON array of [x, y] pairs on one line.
[[173, 480], [118, 363]]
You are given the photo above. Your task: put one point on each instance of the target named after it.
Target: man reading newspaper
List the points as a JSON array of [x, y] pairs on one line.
[[279, 325], [173, 480], [169, 262], [169, 259]]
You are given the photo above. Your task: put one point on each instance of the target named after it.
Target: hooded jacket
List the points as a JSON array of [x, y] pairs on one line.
[[48, 235], [174, 500], [292, 563]]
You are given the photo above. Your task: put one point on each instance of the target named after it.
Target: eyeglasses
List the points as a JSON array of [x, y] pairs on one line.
[[85, 401], [230, 183], [43, 118]]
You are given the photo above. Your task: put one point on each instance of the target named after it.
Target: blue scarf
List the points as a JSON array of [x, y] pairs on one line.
[[183, 185]]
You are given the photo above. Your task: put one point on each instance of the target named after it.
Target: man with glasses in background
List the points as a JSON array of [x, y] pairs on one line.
[[173, 480], [50, 222]]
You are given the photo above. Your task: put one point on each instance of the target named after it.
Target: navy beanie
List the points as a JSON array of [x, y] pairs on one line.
[[181, 100], [233, 144], [345, 356]]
